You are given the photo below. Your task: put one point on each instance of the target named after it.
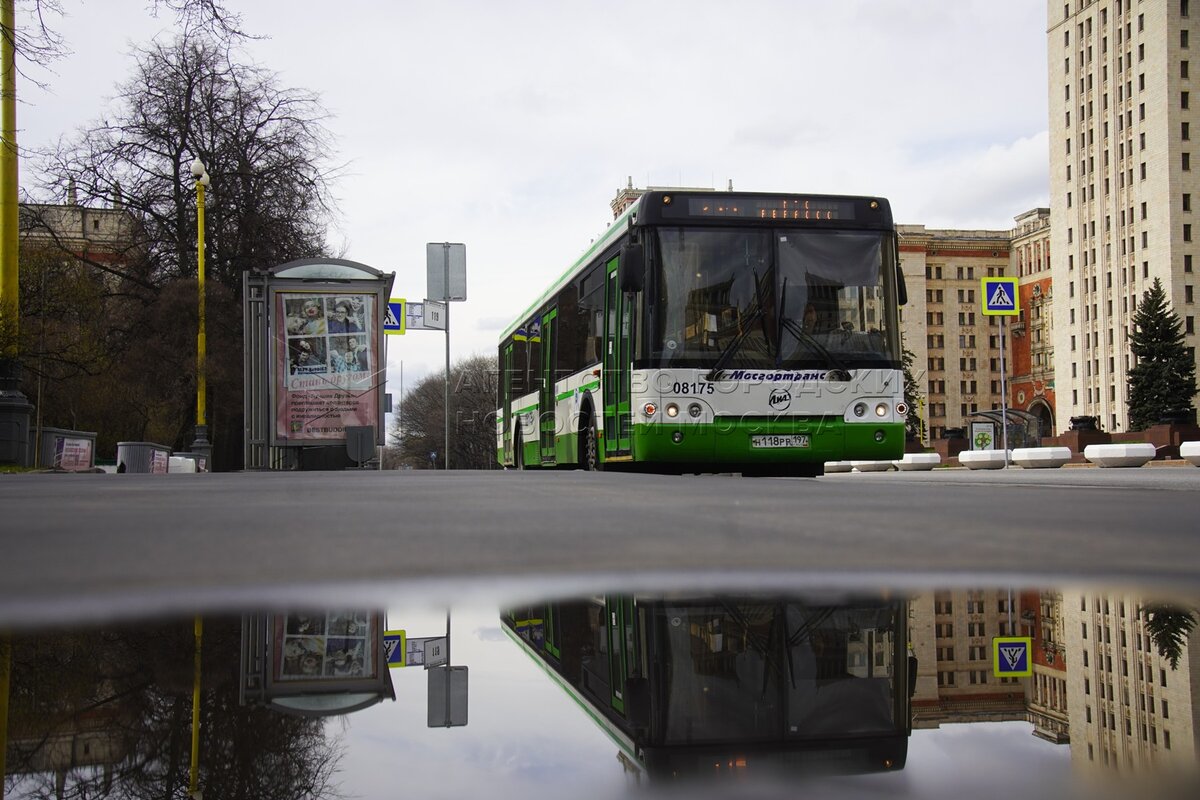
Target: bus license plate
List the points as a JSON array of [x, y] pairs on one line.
[[771, 440]]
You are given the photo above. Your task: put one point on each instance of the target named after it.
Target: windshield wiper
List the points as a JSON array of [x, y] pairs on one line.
[[756, 313], [839, 371]]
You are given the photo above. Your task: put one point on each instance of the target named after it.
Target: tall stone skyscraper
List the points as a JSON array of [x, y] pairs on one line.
[[1124, 133]]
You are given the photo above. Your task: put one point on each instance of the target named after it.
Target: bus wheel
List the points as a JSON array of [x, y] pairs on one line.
[[589, 448]]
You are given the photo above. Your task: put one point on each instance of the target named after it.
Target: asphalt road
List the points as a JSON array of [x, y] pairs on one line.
[[92, 545]]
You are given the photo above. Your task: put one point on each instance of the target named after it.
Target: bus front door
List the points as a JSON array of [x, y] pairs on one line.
[[546, 396], [506, 404], [621, 656], [618, 317]]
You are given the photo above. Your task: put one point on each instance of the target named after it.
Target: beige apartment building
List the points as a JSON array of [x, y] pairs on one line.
[[951, 635], [956, 347], [1122, 185], [1130, 712]]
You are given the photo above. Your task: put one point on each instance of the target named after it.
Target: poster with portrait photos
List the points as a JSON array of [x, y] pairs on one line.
[[325, 646], [327, 367]]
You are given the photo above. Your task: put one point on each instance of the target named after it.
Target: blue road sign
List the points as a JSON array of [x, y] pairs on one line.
[[395, 649], [1011, 656], [393, 320], [1000, 296]]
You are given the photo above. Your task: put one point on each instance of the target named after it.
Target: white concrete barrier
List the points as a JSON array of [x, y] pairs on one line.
[[1119, 455], [918, 461], [982, 459], [1041, 457], [871, 466], [1190, 452], [181, 464], [838, 466]]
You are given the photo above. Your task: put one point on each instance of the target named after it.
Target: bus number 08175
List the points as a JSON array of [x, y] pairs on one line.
[[692, 388]]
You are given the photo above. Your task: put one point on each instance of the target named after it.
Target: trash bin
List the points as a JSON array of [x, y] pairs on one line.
[[143, 457], [70, 451]]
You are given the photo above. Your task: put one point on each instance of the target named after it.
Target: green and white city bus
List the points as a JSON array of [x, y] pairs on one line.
[[705, 687], [714, 332]]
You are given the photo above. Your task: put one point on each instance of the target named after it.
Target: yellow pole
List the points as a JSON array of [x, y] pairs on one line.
[[9, 270], [201, 375], [194, 774], [5, 671]]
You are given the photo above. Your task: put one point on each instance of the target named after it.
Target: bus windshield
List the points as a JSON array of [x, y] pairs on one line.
[[770, 672], [783, 298]]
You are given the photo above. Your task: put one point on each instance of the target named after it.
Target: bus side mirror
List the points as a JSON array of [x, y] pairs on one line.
[[912, 676], [632, 267], [901, 287]]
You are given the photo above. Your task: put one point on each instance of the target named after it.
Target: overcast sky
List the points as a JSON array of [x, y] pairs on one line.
[[509, 126]]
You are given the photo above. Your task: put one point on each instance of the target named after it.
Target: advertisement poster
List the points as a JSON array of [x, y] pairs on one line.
[[334, 646], [983, 435], [160, 462], [326, 365], [73, 455]]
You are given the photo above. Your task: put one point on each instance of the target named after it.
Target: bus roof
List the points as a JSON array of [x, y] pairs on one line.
[[665, 206]]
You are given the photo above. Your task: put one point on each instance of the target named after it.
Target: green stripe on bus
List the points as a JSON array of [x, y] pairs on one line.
[[584, 388]]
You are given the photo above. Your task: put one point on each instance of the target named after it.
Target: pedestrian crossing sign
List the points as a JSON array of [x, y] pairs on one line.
[[394, 317], [394, 648], [1011, 656], [1000, 297]]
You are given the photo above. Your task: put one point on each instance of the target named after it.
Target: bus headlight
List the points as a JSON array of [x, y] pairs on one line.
[[881, 410], [672, 410], [649, 409], [860, 409], [694, 410], [901, 409]]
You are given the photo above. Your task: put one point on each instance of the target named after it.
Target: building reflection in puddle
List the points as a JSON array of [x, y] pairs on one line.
[[619, 691]]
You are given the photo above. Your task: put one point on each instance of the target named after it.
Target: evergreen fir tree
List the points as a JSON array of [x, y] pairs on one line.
[[914, 426], [1163, 377], [1169, 627]]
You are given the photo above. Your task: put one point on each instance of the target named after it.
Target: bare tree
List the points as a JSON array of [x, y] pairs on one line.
[[41, 45], [420, 428], [263, 145], [265, 150], [130, 687]]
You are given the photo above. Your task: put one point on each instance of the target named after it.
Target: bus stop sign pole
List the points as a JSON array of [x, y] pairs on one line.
[[446, 388], [1000, 298]]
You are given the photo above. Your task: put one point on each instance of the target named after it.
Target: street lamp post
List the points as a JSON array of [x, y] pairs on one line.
[[201, 445]]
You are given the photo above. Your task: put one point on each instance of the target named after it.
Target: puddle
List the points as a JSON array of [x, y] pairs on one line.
[[816, 693]]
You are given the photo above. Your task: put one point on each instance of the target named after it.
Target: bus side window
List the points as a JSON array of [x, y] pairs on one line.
[[518, 368], [591, 315], [569, 357]]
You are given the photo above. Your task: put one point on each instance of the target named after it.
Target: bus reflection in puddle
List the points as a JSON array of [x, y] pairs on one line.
[[700, 686]]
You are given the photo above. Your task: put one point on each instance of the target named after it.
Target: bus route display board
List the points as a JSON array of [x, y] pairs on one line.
[[716, 206]]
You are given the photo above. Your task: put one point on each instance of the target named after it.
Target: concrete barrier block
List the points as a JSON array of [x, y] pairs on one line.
[[838, 466], [871, 466], [1041, 457], [1119, 455], [982, 459], [918, 461], [1190, 452]]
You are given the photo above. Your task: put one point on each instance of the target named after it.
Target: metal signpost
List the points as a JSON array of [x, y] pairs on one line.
[[446, 280], [999, 296]]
